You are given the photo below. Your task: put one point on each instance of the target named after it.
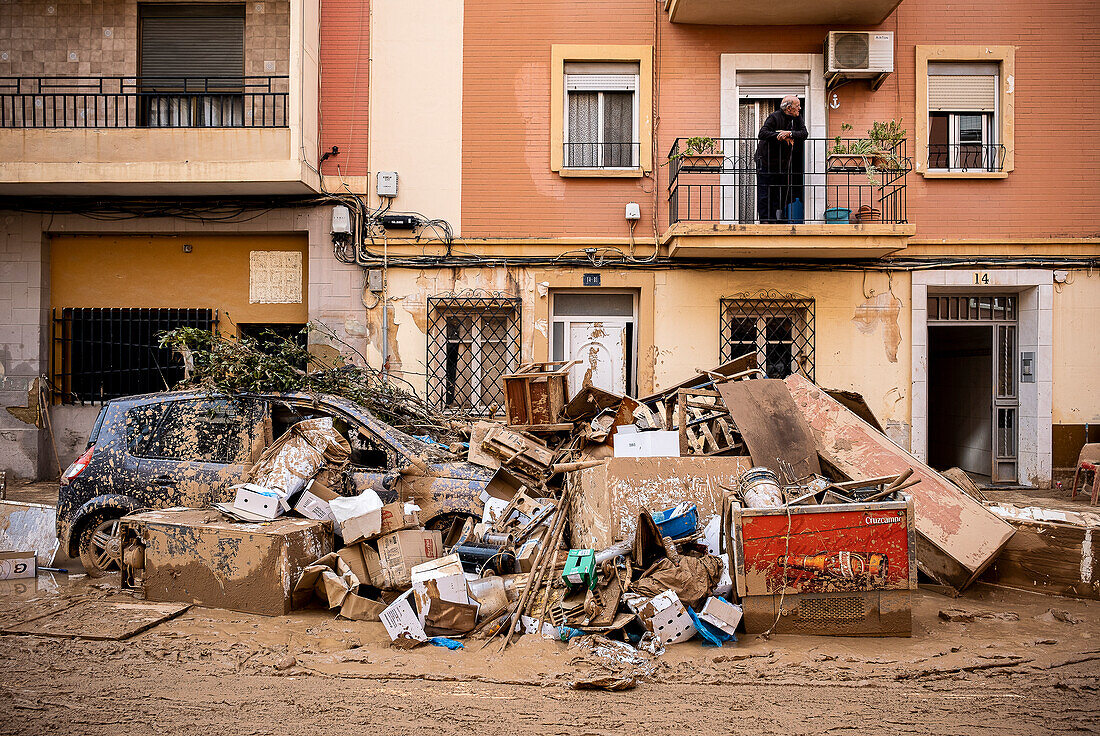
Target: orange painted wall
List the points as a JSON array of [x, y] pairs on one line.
[[509, 190], [345, 60]]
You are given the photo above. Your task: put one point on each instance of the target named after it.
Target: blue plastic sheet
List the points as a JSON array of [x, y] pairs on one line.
[[442, 641], [711, 635]]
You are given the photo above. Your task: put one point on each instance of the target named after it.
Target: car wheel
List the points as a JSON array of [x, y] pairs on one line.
[[101, 548]]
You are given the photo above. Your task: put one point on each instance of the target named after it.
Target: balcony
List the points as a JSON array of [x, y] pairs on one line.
[[225, 104], [780, 12], [824, 201]]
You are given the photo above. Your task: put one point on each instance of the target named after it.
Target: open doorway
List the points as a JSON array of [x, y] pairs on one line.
[[960, 392], [973, 400]]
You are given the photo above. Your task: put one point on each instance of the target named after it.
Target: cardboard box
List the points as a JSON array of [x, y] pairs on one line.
[[527, 553], [18, 565], [354, 556], [267, 503], [314, 501], [580, 568], [359, 517], [399, 515], [660, 443], [721, 615], [607, 498], [401, 620], [440, 579], [445, 618], [358, 608], [400, 552], [195, 556]]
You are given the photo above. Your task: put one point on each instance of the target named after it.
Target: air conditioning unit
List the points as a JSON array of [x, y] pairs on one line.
[[859, 54]]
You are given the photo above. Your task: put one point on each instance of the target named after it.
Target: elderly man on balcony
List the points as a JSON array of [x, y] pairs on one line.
[[777, 154]]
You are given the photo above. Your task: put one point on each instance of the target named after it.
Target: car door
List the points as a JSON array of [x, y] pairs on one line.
[[187, 452]]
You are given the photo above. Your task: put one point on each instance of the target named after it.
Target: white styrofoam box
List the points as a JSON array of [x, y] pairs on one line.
[[399, 618], [660, 443], [722, 615], [667, 618], [712, 533], [312, 506], [359, 517], [724, 587], [266, 502], [449, 579]]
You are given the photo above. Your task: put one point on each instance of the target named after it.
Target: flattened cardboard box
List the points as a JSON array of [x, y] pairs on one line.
[[607, 499], [397, 516]]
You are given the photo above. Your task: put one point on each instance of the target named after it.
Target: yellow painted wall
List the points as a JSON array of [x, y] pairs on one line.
[[861, 326], [1076, 342], [154, 271]]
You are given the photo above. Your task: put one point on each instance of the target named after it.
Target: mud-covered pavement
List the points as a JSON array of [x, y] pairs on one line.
[[214, 671]]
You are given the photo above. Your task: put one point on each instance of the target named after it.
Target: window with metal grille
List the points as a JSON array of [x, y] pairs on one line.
[[104, 353], [473, 342], [779, 329]]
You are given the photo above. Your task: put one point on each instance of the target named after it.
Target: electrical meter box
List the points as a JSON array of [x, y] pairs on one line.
[[387, 184]]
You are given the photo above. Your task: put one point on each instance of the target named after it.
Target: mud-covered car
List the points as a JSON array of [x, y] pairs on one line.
[[172, 449]]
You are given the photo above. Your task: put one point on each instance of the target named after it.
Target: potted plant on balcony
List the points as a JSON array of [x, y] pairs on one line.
[[877, 152], [700, 154]]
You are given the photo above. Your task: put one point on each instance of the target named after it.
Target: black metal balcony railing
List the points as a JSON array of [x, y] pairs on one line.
[[966, 156], [136, 102], [601, 155], [819, 181]]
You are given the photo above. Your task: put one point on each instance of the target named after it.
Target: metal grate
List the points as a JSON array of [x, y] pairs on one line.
[[971, 308], [104, 353], [831, 609], [473, 342], [779, 328]]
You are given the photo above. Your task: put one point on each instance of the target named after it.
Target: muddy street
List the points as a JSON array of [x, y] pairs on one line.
[[1020, 666]]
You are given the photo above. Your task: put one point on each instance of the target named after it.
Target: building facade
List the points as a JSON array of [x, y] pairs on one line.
[[585, 182]]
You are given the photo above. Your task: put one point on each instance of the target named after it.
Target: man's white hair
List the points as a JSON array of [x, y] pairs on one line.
[[787, 102]]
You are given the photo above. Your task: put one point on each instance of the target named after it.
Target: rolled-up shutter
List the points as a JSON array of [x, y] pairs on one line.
[[197, 42], [962, 87]]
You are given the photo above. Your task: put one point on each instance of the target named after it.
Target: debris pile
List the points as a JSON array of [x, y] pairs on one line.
[[727, 503]]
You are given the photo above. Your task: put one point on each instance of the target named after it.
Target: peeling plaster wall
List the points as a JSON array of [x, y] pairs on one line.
[[859, 324]]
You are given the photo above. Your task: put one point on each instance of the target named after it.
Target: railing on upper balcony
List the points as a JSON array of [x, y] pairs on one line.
[[137, 102], [822, 181], [966, 156]]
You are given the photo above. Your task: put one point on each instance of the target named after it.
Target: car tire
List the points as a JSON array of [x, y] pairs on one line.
[[100, 547]]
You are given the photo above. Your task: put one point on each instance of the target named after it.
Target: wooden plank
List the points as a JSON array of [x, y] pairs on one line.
[[111, 620], [957, 536], [771, 425], [1049, 557]]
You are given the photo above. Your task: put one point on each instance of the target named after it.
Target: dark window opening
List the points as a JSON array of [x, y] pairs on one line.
[[473, 342], [779, 331], [203, 430], [104, 353]]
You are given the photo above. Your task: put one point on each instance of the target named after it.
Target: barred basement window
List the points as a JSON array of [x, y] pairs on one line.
[[473, 342], [778, 328], [104, 353]]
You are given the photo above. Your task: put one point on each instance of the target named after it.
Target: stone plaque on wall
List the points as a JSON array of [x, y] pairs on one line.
[[275, 277]]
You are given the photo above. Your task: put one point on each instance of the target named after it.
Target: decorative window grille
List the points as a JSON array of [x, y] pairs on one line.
[[779, 328], [473, 342], [104, 353]]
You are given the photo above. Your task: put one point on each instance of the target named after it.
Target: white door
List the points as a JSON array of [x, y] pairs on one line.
[[600, 346]]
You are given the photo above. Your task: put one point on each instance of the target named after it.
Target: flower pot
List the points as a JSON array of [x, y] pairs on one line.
[[838, 215], [701, 162], [846, 162], [867, 213]]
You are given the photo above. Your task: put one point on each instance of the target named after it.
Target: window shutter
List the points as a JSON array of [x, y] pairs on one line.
[[199, 41], [969, 87], [600, 82]]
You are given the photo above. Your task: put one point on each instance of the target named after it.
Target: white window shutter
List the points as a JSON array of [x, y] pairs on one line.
[[972, 92], [600, 82]]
